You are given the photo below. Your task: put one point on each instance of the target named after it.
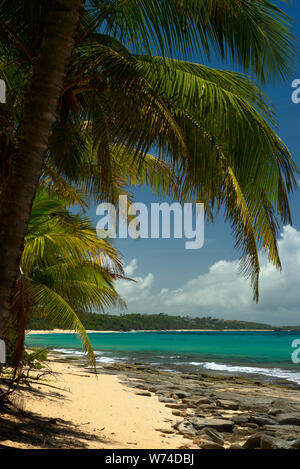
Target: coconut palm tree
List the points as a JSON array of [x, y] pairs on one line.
[[39, 112], [214, 127], [65, 271]]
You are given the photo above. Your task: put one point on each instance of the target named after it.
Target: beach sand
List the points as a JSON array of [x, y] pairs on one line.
[[118, 409], [104, 412]]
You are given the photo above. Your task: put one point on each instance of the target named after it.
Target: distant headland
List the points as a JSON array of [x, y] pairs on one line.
[[150, 322]]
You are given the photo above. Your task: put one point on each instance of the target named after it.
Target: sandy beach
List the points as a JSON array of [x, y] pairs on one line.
[[105, 412], [131, 406]]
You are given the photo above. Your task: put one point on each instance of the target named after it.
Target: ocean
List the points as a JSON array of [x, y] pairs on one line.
[[262, 355]]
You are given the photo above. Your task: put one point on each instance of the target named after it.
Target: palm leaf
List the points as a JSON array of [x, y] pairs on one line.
[[255, 34], [56, 308]]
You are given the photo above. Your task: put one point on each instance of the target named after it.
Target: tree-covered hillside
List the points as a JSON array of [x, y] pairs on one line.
[[127, 322]]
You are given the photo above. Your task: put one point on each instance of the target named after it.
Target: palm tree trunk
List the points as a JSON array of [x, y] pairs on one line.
[[40, 113]]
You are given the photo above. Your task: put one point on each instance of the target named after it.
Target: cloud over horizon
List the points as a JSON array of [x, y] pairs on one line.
[[224, 293]]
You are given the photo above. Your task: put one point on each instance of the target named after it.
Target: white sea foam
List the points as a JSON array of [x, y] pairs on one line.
[[68, 351], [272, 372], [106, 360], [100, 356]]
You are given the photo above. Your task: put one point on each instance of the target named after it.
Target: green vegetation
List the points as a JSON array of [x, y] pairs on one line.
[[92, 88], [127, 322], [65, 271]]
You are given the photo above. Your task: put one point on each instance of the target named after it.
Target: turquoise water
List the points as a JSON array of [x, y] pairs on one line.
[[264, 354]]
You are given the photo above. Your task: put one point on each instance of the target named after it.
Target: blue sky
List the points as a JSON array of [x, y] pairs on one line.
[[174, 280]]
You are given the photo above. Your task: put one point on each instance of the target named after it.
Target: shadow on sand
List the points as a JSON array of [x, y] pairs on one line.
[[23, 429]]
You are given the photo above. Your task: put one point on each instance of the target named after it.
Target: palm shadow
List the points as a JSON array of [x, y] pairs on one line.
[[28, 428]]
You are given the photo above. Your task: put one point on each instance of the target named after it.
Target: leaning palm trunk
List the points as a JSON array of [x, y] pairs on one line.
[[40, 111]]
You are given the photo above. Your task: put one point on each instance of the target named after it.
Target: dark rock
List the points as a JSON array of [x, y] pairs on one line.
[[269, 442], [288, 419], [165, 390], [180, 394], [166, 400], [218, 424], [260, 403], [241, 419], [138, 386], [253, 442], [190, 376], [227, 404], [260, 421], [151, 388], [286, 406], [295, 444], [287, 432], [252, 425], [214, 435], [273, 412], [205, 444], [203, 400], [235, 446], [194, 402], [185, 428]]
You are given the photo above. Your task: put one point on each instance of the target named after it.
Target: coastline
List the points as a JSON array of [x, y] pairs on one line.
[[101, 412], [130, 406], [64, 331]]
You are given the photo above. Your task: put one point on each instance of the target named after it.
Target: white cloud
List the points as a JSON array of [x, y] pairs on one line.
[[223, 293], [140, 288], [131, 267]]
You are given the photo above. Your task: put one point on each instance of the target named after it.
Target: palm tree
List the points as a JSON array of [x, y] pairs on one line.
[[65, 271], [120, 100], [38, 115]]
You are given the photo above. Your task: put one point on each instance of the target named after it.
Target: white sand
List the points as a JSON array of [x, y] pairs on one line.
[[105, 408]]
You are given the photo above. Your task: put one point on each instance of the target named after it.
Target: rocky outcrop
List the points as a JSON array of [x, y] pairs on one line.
[[218, 413]]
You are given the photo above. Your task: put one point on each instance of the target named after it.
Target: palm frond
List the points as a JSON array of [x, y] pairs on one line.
[[255, 34], [56, 308]]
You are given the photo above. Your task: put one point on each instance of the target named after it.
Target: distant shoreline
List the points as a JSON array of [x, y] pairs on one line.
[[63, 331]]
